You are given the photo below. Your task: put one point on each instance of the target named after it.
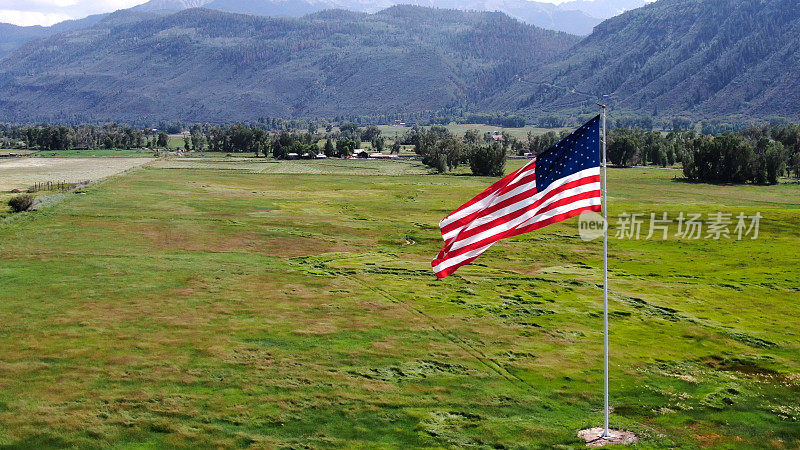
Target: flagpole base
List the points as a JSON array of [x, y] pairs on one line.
[[595, 437]]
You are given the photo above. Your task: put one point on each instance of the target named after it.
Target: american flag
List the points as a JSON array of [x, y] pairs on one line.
[[560, 183]]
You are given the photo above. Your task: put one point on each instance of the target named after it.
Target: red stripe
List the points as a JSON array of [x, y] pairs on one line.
[[449, 271], [498, 185], [514, 214], [446, 253], [492, 208], [561, 217]]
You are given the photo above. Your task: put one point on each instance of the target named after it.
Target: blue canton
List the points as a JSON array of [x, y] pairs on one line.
[[578, 151]]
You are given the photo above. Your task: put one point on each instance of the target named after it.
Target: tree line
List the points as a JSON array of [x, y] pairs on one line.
[[65, 137], [757, 154]]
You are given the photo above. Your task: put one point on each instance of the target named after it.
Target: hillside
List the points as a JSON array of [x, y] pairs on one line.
[[13, 36], [575, 17], [603, 9], [203, 65], [544, 15], [709, 58]]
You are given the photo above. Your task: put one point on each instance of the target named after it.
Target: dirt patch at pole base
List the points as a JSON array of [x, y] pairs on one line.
[[593, 439]]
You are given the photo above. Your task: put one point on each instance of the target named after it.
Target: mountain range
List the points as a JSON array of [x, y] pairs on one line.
[[702, 58], [205, 65], [575, 17], [696, 58]]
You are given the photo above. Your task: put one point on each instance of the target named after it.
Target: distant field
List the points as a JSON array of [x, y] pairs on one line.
[[329, 166], [124, 153], [21, 173], [175, 141], [217, 155], [459, 130], [185, 305], [17, 151]]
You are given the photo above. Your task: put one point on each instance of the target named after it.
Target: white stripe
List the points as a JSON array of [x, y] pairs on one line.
[[449, 262], [525, 202], [518, 221], [514, 192], [593, 201], [486, 201], [514, 207]]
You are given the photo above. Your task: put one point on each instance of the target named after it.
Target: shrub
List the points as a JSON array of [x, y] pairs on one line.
[[21, 203], [439, 149], [488, 161]]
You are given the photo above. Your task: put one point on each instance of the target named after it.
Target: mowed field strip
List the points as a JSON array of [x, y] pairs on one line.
[[212, 307], [21, 173], [332, 166]]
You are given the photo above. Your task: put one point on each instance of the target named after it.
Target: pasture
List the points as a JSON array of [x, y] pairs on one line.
[[389, 131], [21, 173], [95, 153], [333, 166], [278, 306]]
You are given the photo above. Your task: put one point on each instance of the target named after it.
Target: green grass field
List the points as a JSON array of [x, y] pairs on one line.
[[195, 306], [459, 129], [94, 153]]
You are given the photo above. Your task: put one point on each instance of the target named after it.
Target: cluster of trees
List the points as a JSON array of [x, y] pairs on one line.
[[65, 137], [730, 158], [284, 144], [440, 149], [757, 155], [628, 147]]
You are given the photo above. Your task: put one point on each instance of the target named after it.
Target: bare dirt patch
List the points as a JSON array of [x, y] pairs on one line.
[[593, 438], [21, 173]]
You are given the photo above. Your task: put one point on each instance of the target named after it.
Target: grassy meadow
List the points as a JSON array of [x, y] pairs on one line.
[[204, 304], [459, 129], [22, 173], [97, 152]]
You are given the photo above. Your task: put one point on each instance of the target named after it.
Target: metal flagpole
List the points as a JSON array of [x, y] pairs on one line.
[[605, 434]]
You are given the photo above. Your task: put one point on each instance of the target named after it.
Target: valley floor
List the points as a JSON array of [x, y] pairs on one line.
[[205, 306]]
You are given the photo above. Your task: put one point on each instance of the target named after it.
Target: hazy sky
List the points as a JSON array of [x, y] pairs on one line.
[[48, 12]]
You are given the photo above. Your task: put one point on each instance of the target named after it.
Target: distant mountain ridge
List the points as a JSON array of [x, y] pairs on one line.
[[707, 58], [701, 59], [544, 15], [170, 5], [13, 36], [205, 65], [576, 17]]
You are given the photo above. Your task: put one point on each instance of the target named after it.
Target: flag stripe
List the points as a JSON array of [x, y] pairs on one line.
[[554, 192], [504, 187], [516, 195], [450, 265], [564, 206], [528, 204], [516, 204]]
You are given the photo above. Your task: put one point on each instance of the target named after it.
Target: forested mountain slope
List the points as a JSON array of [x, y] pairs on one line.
[[203, 65], [541, 14], [702, 58], [13, 36]]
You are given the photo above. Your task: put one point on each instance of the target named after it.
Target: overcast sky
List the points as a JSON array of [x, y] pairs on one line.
[[48, 12]]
